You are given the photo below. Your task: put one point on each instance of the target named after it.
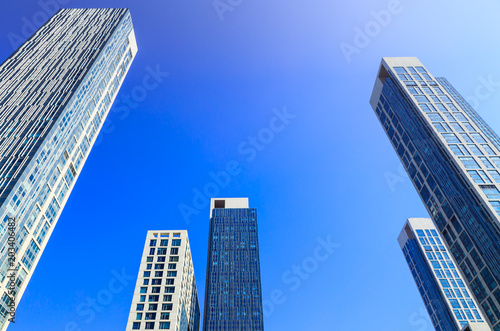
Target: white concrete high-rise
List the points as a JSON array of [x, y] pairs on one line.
[[55, 93], [165, 296]]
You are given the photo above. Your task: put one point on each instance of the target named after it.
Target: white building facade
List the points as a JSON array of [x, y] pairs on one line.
[[55, 93], [165, 296]]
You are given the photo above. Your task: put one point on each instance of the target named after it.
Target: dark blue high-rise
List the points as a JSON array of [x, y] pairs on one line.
[[233, 295]]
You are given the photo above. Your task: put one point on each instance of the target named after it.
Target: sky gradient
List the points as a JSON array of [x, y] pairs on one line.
[[324, 178]]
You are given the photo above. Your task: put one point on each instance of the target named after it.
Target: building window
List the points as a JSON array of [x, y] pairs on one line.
[[173, 259], [475, 150], [170, 289], [146, 282], [460, 117], [136, 325], [165, 316], [162, 251], [164, 325], [439, 106], [496, 160], [491, 191], [152, 242], [486, 162], [454, 303], [469, 127], [444, 283], [153, 306], [496, 206], [150, 316], [158, 273], [171, 266], [140, 307], [156, 281], [439, 127], [139, 316], [155, 289], [176, 242], [488, 150], [451, 138], [485, 177], [142, 298], [436, 117], [425, 107], [174, 251], [164, 242], [144, 289], [166, 306], [167, 298], [466, 138], [478, 138], [469, 163], [150, 325], [476, 177], [151, 251]]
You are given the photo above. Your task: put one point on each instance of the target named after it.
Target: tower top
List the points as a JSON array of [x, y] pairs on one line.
[[228, 203]]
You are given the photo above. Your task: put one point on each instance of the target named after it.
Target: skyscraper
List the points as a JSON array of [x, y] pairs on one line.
[[165, 296], [55, 93], [453, 159], [446, 297], [233, 295]]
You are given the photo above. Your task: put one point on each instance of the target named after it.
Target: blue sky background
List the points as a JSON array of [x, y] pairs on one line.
[[331, 174]]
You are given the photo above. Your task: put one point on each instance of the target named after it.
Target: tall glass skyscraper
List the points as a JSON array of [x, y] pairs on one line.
[[453, 159], [446, 297], [233, 295], [165, 296], [55, 93]]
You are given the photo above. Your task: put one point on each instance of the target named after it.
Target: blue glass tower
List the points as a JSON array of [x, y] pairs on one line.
[[55, 93], [453, 159], [441, 286], [233, 296]]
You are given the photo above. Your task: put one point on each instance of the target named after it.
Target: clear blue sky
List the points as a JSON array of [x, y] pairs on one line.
[[323, 176]]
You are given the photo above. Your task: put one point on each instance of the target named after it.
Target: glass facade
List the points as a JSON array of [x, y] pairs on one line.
[[233, 296], [55, 93], [441, 286], [165, 296], [451, 156]]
